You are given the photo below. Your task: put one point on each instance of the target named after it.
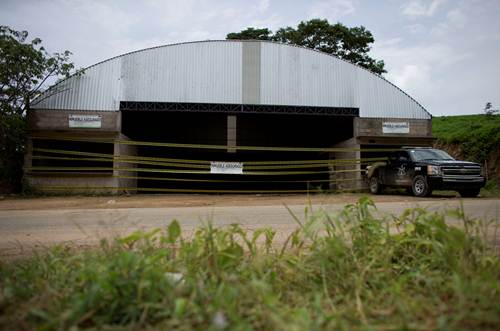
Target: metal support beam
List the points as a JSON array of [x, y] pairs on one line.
[[235, 108]]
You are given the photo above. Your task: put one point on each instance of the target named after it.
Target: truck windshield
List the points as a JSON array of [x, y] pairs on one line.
[[429, 154]]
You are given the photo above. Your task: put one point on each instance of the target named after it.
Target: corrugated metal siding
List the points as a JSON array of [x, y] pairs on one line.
[[298, 76], [97, 89], [195, 72], [212, 72]]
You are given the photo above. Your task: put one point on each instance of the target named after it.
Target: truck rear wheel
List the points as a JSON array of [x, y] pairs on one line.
[[420, 187], [375, 186]]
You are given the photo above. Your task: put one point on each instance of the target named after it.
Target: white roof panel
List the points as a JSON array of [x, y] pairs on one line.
[[231, 72]]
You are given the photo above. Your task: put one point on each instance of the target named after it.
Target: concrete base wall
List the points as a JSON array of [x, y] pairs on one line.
[[94, 182], [373, 127], [48, 120], [89, 185], [55, 124]]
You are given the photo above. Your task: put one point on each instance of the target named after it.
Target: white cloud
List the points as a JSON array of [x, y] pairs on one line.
[[96, 30], [455, 20], [411, 74], [332, 9], [105, 16], [416, 29], [418, 8], [419, 70], [263, 5], [272, 22], [489, 37]]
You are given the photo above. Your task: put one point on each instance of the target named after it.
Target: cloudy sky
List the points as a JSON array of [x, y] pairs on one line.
[[444, 53]]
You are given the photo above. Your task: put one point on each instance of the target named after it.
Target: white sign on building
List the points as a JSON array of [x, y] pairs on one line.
[[395, 127], [217, 167], [85, 121]]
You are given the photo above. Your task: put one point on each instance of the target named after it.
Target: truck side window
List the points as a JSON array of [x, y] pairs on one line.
[[393, 157]]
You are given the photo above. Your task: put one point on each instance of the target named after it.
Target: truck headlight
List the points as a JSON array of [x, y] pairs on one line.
[[433, 170]]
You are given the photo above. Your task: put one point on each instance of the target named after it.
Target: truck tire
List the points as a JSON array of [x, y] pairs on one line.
[[420, 187], [470, 193], [374, 184]]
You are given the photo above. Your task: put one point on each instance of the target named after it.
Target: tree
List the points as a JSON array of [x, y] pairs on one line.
[[251, 33], [351, 44], [488, 109], [26, 69]]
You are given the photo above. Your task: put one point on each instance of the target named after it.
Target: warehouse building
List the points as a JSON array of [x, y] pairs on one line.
[[206, 101]]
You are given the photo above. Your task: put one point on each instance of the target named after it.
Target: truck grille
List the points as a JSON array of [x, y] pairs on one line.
[[461, 173]]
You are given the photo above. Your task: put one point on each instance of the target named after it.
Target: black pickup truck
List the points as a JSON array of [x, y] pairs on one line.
[[422, 170]]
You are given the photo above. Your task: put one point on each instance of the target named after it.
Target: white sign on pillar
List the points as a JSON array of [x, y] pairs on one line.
[[395, 127], [85, 121]]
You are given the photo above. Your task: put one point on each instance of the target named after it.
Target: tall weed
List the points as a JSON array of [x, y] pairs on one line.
[[345, 271]]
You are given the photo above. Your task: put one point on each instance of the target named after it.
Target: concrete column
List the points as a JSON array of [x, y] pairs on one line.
[[231, 133], [346, 180], [129, 185]]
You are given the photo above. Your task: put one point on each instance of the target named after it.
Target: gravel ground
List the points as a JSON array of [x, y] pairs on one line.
[[28, 224]]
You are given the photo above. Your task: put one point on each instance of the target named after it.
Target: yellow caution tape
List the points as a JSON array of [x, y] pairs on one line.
[[196, 166], [63, 151], [121, 160], [207, 162], [180, 165], [74, 173], [66, 188], [221, 147], [256, 173], [239, 181]]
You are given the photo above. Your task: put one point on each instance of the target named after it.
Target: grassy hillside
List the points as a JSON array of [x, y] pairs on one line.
[[477, 136]]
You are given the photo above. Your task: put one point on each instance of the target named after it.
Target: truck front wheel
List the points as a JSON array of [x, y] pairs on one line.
[[420, 187]]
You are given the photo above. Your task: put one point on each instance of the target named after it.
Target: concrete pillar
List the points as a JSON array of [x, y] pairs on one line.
[[231, 133], [129, 185], [351, 180]]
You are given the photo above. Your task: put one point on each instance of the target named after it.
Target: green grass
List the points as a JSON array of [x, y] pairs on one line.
[[490, 190], [477, 135], [342, 271]]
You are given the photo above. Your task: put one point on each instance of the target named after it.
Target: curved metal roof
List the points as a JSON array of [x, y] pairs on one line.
[[231, 72]]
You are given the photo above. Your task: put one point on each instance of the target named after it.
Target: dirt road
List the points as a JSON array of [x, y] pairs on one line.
[[27, 224]]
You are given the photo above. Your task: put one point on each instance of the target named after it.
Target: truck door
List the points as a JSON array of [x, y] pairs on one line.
[[400, 171]]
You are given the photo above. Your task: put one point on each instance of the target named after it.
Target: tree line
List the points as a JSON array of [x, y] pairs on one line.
[[26, 68], [351, 44]]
